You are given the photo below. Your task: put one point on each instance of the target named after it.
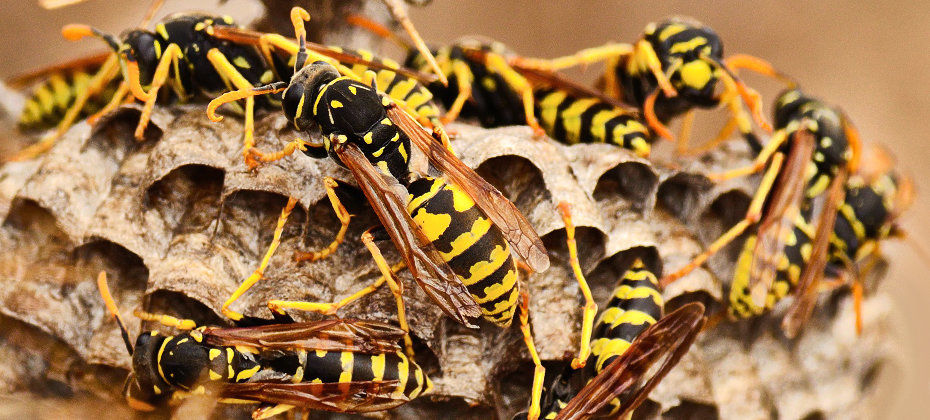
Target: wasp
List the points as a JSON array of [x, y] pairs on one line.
[[334, 365], [809, 157], [489, 82], [630, 337], [673, 69], [455, 232]]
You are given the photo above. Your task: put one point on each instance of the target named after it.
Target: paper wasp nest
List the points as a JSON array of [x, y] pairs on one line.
[[178, 222]]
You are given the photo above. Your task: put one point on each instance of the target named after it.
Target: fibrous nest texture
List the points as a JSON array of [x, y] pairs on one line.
[[178, 222]]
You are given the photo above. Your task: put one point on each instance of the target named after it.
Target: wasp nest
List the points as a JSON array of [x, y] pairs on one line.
[[178, 222]]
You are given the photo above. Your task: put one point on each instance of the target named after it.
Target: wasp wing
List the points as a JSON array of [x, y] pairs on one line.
[[88, 63], [250, 37], [344, 397], [806, 289], [328, 335], [631, 376], [782, 208], [518, 231], [428, 267]]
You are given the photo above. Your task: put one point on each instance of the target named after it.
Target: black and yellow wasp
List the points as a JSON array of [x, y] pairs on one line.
[[809, 158], [675, 67], [455, 232], [488, 82], [179, 52], [334, 365], [631, 335]]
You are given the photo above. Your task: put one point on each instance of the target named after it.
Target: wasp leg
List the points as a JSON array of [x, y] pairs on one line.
[[857, 303], [753, 214], [115, 102], [649, 113], [590, 307], [397, 10], [758, 65], [166, 320], [655, 67], [260, 271], [583, 57], [230, 74], [169, 60], [344, 218], [396, 288], [278, 306], [268, 411], [750, 97], [108, 71], [463, 80], [515, 80], [287, 150], [539, 373], [758, 163]]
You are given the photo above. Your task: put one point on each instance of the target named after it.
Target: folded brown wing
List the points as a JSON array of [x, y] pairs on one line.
[[328, 335], [345, 397]]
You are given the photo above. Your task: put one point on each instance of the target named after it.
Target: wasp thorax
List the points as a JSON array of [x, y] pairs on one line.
[[300, 95]]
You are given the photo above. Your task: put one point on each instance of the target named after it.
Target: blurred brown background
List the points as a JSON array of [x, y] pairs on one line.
[[870, 57]]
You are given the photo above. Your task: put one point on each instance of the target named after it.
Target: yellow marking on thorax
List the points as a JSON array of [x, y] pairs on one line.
[[689, 45], [161, 350], [316, 102], [335, 104], [161, 30], [229, 355], [247, 373], [241, 62]]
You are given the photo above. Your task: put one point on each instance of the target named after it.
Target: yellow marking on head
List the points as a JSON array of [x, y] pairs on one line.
[[432, 225], [161, 30], [667, 31], [689, 45], [247, 373], [696, 74], [300, 106], [156, 389], [377, 366], [158, 50], [479, 270], [335, 104], [348, 360], [319, 95]]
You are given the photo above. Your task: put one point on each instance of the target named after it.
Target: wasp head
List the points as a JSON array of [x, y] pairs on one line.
[[301, 93]]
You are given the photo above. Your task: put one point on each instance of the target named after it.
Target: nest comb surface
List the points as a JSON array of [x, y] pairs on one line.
[[178, 222]]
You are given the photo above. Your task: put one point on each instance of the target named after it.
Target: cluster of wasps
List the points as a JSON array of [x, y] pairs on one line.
[[823, 205]]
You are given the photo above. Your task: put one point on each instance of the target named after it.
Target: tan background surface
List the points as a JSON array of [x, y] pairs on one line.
[[869, 57]]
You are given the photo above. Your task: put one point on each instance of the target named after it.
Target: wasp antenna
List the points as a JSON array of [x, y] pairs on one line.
[[378, 29], [241, 94], [74, 32], [298, 16], [113, 309]]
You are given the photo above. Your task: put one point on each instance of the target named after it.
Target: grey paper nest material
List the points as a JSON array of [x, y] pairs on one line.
[[178, 222]]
